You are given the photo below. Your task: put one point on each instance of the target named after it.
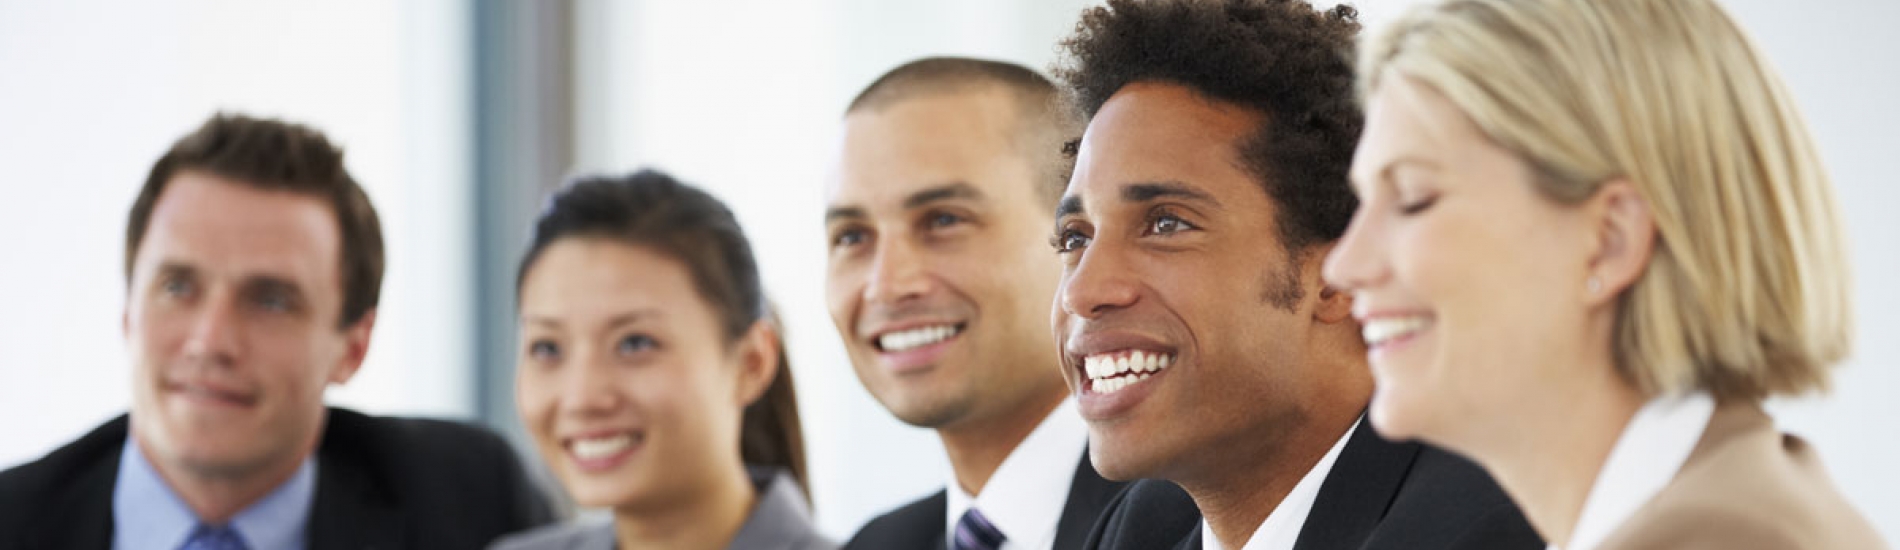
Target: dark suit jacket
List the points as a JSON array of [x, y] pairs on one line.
[[1379, 495], [919, 525], [383, 483]]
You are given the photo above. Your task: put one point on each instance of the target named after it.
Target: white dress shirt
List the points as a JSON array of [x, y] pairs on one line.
[[1645, 459], [1282, 526], [1024, 498]]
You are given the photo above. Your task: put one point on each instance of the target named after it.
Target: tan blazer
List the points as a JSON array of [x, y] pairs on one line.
[[1747, 486]]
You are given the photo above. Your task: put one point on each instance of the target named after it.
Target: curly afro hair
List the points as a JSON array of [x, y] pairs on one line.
[[1282, 58]]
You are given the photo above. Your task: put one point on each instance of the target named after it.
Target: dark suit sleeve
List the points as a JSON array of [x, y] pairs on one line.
[[417, 483], [1147, 514], [64, 500], [915, 526], [1450, 503], [530, 505], [1502, 527], [1110, 521]]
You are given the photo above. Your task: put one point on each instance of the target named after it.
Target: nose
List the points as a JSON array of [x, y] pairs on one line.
[[1100, 282], [898, 273], [1358, 262], [589, 389], [215, 337]]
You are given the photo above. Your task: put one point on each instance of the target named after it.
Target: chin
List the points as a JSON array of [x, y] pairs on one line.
[[599, 497], [1391, 416], [1118, 460]]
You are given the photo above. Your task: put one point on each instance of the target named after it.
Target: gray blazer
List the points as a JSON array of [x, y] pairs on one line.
[[780, 521]]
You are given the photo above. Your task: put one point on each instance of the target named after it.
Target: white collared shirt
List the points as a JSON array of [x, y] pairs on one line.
[[1282, 526], [1025, 497], [1645, 459]]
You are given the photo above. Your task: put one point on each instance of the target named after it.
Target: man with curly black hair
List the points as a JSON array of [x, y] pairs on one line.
[[1202, 346]]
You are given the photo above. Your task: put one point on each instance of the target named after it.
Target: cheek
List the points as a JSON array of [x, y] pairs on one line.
[[843, 285], [689, 398], [535, 399], [314, 356]]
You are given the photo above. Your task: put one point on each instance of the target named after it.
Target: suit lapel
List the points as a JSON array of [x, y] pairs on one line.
[[1356, 494], [353, 508], [1193, 540], [936, 507], [82, 511], [1089, 494]]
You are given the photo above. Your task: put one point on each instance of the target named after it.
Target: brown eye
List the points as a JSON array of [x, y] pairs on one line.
[[1167, 224], [1069, 240]]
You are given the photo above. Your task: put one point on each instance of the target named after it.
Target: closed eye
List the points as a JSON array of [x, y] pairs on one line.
[[1418, 206]]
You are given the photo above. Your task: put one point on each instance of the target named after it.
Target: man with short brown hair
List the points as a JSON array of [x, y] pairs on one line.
[[253, 265]]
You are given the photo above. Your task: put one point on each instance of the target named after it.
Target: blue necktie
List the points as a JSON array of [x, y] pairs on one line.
[[974, 532], [206, 537]]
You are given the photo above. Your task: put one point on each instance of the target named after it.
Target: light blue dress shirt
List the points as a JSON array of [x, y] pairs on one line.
[[148, 515]]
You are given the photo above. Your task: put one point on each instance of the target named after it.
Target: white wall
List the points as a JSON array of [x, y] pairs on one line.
[[92, 92], [1842, 63]]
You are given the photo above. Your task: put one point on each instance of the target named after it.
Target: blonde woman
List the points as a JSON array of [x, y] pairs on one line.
[[1594, 235]]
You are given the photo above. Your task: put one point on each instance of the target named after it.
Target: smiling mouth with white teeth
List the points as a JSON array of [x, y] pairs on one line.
[[601, 447], [909, 339], [1389, 330], [1114, 371]]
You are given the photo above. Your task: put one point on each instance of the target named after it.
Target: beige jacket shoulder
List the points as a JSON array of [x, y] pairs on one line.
[[1747, 486]]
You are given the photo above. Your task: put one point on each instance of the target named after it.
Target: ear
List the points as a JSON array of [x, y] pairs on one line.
[[1335, 305], [1625, 240], [357, 342], [758, 362]]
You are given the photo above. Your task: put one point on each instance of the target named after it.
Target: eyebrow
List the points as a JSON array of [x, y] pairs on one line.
[[1070, 205], [619, 319], [176, 268], [273, 283], [249, 282], [836, 213], [1143, 192], [948, 191], [1386, 171], [1146, 192]]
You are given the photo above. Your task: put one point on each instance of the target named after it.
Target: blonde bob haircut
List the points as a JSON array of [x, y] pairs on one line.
[[1746, 294]]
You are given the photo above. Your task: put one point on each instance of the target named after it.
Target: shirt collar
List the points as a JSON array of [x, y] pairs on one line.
[[1653, 447], [1025, 496], [146, 513], [1282, 526]]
